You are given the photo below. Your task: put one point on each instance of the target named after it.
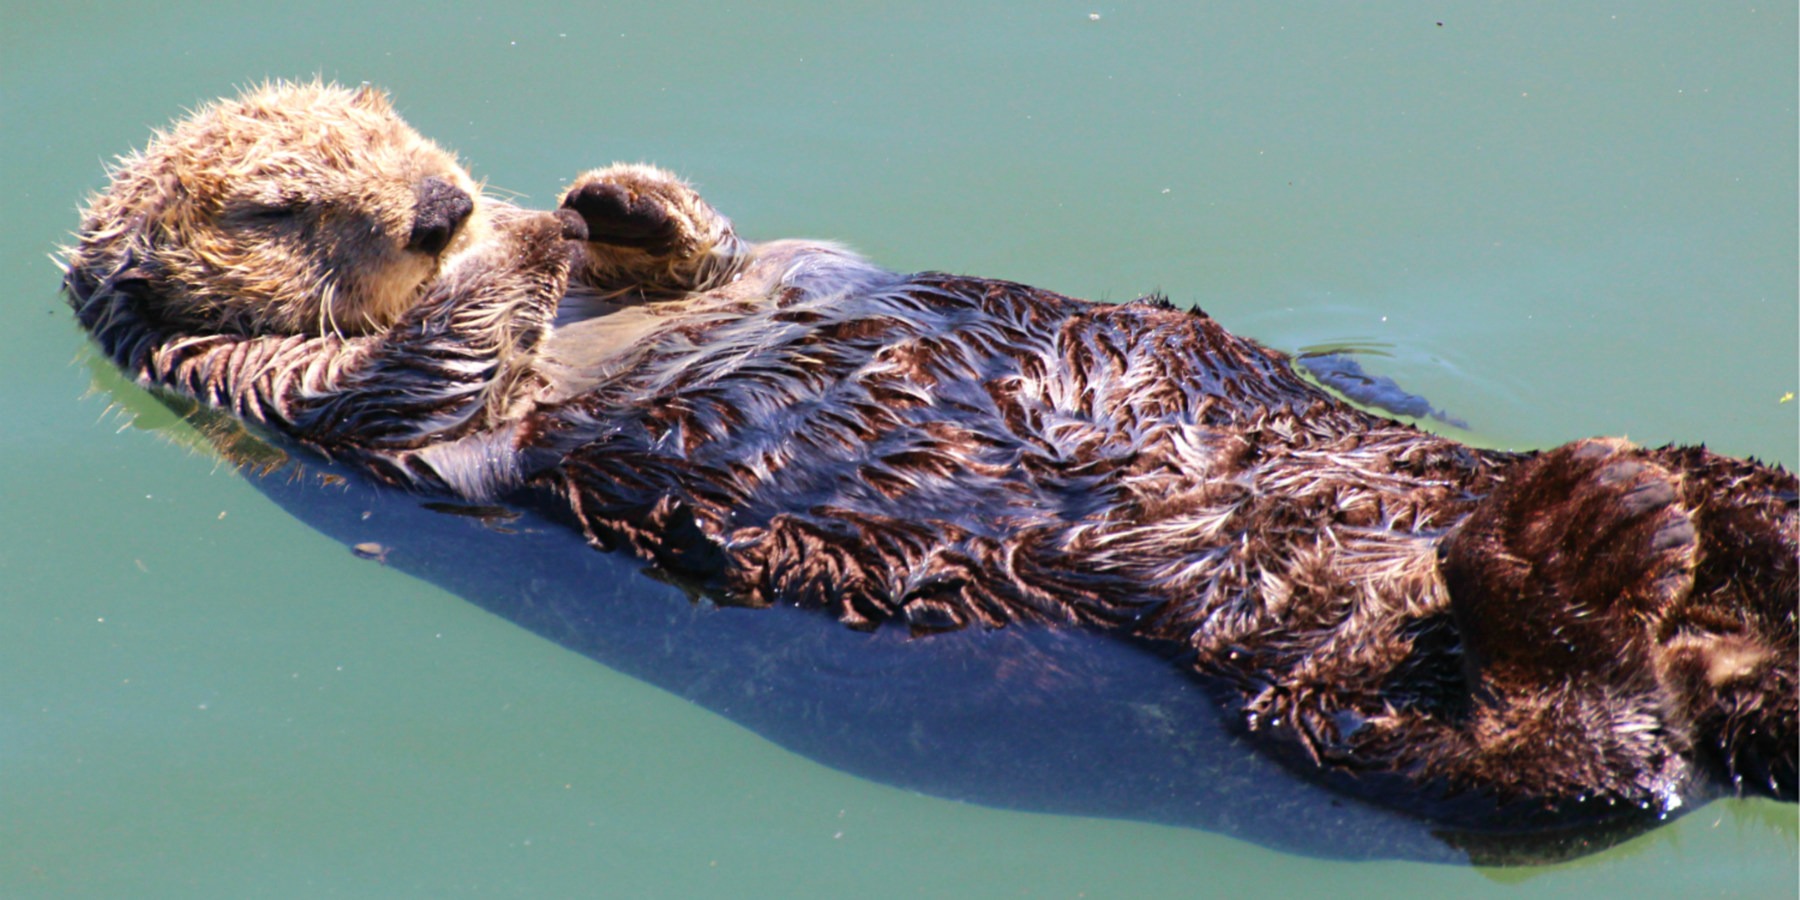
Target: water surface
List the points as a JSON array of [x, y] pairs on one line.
[[1551, 221]]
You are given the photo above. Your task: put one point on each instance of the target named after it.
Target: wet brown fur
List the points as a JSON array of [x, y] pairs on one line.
[[1492, 639]]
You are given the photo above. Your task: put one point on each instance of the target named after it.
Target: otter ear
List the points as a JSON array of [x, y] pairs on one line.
[[371, 98]]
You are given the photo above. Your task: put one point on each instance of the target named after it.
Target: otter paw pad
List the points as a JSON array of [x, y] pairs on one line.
[[614, 215]]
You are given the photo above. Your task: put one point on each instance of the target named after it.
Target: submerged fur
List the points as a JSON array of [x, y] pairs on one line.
[[1495, 640]]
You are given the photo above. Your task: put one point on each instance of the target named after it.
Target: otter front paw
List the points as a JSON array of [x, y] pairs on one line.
[[644, 208], [615, 215], [646, 229]]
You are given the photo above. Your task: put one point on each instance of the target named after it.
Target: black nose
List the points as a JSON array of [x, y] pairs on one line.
[[442, 208]]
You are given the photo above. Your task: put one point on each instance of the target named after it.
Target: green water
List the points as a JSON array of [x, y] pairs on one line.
[[1552, 220]]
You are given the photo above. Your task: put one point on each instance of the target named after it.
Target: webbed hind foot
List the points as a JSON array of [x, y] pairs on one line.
[[1564, 569]]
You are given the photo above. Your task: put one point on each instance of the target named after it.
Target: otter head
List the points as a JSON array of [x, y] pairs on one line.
[[292, 209]]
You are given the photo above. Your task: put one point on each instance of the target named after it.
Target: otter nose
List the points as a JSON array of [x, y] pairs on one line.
[[441, 209]]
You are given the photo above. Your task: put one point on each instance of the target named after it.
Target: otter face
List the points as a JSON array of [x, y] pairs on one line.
[[293, 209]]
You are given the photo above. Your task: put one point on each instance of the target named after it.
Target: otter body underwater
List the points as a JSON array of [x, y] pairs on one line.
[[1493, 641]]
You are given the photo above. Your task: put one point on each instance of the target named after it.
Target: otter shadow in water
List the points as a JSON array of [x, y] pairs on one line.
[[1040, 719]]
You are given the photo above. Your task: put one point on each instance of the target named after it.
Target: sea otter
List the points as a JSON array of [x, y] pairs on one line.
[[1493, 640]]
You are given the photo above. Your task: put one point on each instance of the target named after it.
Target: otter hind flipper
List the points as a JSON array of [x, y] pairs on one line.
[[1559, 583], [1565, 567], [1635, 608]]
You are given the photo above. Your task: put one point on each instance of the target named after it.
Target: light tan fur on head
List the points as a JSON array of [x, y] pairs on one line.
[[291, 209]]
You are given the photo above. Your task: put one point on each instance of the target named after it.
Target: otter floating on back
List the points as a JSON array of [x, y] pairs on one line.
[[1494, 640]]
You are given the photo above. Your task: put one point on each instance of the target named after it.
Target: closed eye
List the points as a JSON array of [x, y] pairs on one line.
[[265, 213]]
